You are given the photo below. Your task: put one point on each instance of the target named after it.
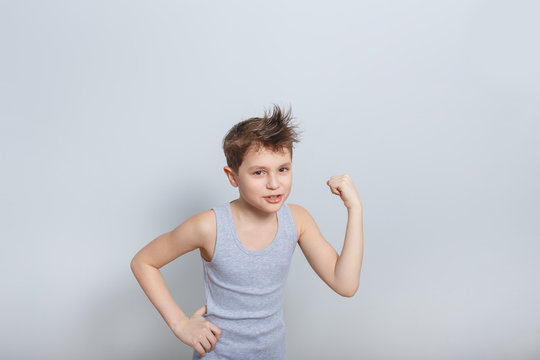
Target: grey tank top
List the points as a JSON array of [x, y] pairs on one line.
[[244, 290]]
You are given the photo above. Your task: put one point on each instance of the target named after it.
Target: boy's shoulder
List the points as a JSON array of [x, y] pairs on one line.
[[202, 229], [297, 209], [205, 222], [302, 217], [198, 229]]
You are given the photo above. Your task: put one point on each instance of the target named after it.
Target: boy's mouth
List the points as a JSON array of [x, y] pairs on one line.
[[273, 199]]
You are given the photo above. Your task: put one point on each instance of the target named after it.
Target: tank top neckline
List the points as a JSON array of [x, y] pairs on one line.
[[239, 243]]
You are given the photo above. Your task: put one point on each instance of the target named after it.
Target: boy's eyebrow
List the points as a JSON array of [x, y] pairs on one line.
[[264, 167]]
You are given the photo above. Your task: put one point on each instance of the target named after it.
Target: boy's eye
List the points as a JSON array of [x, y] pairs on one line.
[[283, 169], [258, 172]]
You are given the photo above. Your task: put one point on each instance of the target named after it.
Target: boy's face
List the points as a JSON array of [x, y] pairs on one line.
[[264, 178]]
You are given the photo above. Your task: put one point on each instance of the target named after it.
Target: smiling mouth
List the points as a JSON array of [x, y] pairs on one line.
[[273, 198]]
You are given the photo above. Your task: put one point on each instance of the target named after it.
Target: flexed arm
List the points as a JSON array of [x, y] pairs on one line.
[[340, 272], [349, 263]]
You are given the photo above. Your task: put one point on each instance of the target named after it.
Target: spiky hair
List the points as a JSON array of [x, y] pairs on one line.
[[274, 130]]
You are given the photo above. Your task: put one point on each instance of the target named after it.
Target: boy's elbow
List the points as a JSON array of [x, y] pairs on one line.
[[134, 264], [349, 292], [139, 264]]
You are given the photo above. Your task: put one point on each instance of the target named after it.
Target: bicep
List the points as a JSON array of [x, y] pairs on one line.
[[318, 252], [186, 237]]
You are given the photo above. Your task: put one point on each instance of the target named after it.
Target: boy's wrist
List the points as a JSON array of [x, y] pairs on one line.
[[354, 207], [178, 324]]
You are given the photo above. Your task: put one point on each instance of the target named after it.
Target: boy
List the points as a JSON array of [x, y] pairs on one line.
[[246, 247]]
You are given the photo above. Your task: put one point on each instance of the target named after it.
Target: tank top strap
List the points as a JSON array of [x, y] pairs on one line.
[[222, 218], [287, 219], [224, 232]]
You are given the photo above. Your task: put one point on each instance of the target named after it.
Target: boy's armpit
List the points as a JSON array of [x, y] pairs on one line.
[[197, 232]]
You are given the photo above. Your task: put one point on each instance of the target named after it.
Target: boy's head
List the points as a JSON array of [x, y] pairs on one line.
[[273, 131]]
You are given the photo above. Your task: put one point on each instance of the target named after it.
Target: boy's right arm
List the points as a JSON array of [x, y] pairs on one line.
[[194, 233]]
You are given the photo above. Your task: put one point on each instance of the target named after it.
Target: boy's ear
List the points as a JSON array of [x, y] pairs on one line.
[[230, 175]]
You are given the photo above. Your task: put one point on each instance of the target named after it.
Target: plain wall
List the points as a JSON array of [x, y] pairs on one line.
[[112, 116]]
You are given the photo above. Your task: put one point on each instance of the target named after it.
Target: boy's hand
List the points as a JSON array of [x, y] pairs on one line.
[[343, 186], [199, 333]]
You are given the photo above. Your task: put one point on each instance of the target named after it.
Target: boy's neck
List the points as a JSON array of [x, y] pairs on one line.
[[247, 213]]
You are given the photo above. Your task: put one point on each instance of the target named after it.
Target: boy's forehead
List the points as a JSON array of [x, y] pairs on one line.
[[262, 153]]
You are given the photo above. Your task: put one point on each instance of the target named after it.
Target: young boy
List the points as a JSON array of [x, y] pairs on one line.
[[246, 248]]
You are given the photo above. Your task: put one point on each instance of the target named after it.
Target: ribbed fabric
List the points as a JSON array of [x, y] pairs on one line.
[[244, 290]]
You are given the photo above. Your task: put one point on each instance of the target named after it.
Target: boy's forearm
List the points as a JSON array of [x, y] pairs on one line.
[[349, 263], [153, 285]]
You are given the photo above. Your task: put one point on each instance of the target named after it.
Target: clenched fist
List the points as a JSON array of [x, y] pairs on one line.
[[343, 186]]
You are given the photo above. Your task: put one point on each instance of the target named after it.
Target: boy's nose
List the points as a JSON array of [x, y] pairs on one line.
[[272, 183]]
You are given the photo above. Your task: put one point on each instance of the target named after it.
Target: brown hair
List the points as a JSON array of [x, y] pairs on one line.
[[274, 130]]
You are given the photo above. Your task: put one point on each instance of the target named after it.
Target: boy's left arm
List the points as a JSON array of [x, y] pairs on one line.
[[340, 272]]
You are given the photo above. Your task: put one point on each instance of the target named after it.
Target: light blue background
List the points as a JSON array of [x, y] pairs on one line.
[[112, 115]]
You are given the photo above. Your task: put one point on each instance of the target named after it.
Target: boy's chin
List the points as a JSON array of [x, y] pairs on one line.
[[265, 204]]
